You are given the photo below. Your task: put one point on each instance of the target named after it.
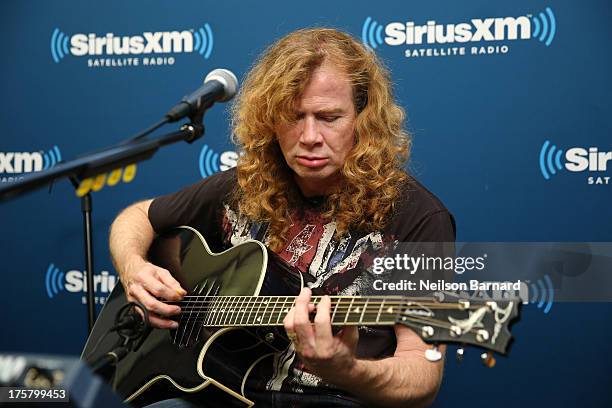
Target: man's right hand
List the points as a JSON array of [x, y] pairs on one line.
[[147, 283]]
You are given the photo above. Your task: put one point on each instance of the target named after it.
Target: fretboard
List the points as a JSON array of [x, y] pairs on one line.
[[223, 311]]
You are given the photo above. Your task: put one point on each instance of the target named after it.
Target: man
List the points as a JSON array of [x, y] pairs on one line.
[[321, 183]]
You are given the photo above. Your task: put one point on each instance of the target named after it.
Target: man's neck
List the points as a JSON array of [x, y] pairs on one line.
[[318, 188]]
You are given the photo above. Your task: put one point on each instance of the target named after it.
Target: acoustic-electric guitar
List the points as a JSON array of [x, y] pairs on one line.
[[232, 320]]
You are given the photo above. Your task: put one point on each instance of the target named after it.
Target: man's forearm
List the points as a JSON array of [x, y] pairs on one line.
[[399, 381], [130, 237]]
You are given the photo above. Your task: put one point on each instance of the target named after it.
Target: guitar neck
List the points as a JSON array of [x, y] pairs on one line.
[[220, 311], [471, 321]]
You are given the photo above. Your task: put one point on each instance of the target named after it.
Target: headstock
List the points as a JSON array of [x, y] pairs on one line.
[[478, 322]]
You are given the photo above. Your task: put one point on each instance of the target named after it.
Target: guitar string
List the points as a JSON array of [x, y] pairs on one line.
[[417, 320], [314, 299], [226, 306], [227, 313], [353, 306], [274, 307], [422, 320], [317, 297], [340, 311], [385, 321], [338, 300], [270, 314], [370, 305]]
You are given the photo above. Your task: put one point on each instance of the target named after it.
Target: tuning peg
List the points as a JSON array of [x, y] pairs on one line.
[[488, 360], [433, 354], [482, 336], [464, 304], [459, 354]]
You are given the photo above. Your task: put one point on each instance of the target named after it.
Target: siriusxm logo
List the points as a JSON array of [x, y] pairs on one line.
[[199, 40], [542, 294], [75, 281], [28, 162], [575, 159], [542, 26], [211, 162]]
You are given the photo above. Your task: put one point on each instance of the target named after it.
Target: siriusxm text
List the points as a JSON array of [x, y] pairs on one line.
[[489, 29], [147, 43]]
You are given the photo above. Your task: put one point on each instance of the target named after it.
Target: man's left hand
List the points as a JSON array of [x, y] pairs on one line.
[[324, 354]]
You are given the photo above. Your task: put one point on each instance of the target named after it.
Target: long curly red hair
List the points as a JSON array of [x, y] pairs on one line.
[[373, 171]]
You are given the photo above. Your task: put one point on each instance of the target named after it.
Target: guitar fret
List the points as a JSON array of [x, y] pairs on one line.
[[241, 311], [208, 311], [219, 315], [224, 310], [251, 312], [211, 311], [250, 305], [240, 306], [256, 317], [215, 310], [365, 306], [284, 310], [335, 309], [281, 313], [272, 312], [349, 310], [382, 304], [291, 304], [220, 310], [230, 312], [207, 303], [214, 307], [237, 309], [263, 315], [246, 307], [252, 302]]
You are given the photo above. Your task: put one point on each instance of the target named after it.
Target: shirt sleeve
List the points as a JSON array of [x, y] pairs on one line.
[[199, 206], [435, 227]]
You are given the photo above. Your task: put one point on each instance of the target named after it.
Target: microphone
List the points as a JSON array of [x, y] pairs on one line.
[[129, 319], [220, 85]]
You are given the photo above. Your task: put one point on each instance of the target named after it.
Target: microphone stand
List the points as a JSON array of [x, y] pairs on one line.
[[102, 161], [86, 208]]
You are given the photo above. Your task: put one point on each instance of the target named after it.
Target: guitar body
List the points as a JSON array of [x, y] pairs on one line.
[[214, 362]]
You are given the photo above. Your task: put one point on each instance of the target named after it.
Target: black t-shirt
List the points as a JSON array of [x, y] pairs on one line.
[[337, 266]]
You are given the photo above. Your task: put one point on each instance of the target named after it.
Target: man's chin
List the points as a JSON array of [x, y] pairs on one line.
[[315, 175]]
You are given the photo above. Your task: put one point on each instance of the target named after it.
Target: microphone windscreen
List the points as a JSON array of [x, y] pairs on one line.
[[227, 78]]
